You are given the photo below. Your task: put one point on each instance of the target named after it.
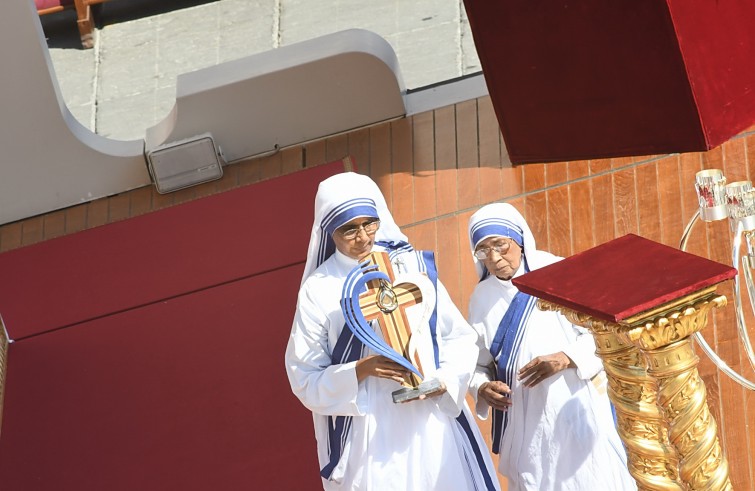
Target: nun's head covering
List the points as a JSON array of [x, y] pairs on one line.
[[499, 220], [340, 199]]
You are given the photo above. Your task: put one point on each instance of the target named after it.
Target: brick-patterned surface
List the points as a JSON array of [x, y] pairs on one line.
[[315, 153], [359, 149], [556, 173], [733, 155], [559, 224], [513, 181], [625, 201], [467, 271], [599, 166], [423, 236], [32, 230], [140, 200], [402, 171], [446, 187], [489, 148], [54, 224], [447, 256], [534, 177], [423, 148], [581, 209], [336, 148], [380, 160], [669, 204], [76, 218], [750, 155], [10, 236], [271, 166], [578, 169], [467, 155], [159, 201], [437, 168], [535, 212], [648, 211]]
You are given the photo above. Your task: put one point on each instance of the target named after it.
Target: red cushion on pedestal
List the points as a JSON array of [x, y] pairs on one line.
[[623, 277]]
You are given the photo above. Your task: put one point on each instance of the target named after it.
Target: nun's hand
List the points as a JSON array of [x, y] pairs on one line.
[[542, 367], [495, 393], [381, 367]]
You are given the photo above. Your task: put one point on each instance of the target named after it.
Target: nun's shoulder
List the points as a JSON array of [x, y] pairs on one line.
[[485, 289], [484, 298], [327, 271]]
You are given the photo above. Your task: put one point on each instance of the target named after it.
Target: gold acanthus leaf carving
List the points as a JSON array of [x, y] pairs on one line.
[[694, 434], [641, 429], [672, 326], [653, 467], [628, 391]]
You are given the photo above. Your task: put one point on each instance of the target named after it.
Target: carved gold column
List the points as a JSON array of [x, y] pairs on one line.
[[652, 462], [643, 300], [663, 338], [660, 400]]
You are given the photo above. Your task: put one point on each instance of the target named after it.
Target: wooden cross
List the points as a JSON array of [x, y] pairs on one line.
[[387, 302]]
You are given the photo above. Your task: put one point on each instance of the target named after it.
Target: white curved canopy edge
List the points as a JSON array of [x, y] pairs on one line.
[[251, 106], [287, 96], [49, 160]]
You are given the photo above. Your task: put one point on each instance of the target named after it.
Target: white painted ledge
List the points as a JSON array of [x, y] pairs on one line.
[[286, 96], [49, 160]]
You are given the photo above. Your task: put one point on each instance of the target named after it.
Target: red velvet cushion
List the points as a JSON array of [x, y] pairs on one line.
[[623, 277]]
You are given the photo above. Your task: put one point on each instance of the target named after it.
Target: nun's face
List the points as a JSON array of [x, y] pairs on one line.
[[502, 256], [356, 238]]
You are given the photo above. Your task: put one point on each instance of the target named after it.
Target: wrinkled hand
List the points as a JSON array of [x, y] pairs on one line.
[[381, 367], [495, 393], [542, 367]]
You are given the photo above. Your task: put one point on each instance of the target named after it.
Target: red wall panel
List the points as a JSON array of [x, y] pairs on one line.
[[189, 393], [148, 353], [170, 252]]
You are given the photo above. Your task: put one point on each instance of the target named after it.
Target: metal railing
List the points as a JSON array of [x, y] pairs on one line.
[[717, 201]]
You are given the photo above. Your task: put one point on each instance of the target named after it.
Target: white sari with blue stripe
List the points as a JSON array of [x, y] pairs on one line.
[[558, 435], [364, 440]]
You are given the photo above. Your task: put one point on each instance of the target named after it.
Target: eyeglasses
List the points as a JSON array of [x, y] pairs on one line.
[[352, 232], [501, 248]]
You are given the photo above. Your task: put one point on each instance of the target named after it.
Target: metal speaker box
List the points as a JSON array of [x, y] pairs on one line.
[[180, 164]]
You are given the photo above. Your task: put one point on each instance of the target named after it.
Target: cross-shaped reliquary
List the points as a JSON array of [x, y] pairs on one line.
[[387, 303]]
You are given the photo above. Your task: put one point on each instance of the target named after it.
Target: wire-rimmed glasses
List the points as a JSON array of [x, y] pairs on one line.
[[501, 248], [369, 228]]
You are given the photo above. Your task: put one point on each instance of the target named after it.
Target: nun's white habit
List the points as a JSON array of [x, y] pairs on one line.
[[364, 440], [560, 433]]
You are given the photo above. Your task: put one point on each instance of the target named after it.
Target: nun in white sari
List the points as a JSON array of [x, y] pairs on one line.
[[553, 425], [365, 441]]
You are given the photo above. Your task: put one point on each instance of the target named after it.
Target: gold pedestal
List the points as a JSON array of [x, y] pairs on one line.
[[660, 400]]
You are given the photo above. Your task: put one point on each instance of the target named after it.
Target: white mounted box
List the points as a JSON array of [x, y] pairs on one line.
[[180, 164]]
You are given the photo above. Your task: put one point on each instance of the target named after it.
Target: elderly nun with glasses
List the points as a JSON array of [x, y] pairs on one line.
[[553, 425], [364, 439]]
